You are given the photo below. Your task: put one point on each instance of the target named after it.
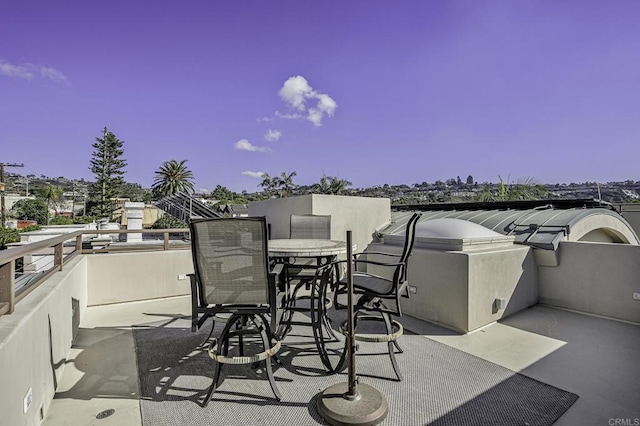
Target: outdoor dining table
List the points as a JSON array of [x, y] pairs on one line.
[[294, 252]]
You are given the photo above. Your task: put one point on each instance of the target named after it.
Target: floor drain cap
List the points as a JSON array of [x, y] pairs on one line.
[[104, 414]]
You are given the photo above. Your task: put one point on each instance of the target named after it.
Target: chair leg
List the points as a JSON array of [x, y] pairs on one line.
[[213, 326], [223, 348], [322, 307], [265, 333], [214, 385], [318, 325], [342, 362], [390, 344]]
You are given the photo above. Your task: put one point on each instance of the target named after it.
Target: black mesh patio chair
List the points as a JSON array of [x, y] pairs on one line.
[[300, 273], [378, 297], [232, 283]]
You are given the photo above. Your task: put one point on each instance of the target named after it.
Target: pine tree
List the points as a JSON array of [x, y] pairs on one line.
[[108, 167]]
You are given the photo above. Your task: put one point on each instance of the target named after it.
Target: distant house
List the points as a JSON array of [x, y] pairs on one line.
[[233, 210]]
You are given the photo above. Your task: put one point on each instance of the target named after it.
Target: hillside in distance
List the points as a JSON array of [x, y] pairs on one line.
[[451, 190]]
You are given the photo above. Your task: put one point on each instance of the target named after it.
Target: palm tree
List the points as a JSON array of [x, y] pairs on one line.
[[324, 186], [522, 189], [269, 184], [285, 182], [338, 186], [332, 185], [51, 194], [172, 177]]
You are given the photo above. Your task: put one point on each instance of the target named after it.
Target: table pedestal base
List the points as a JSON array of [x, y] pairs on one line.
[[370, 408]]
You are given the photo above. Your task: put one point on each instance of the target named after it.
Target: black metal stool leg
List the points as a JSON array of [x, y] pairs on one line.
[[213, 326], [214, 384], [390, 344], [223, 348], [265, 333]]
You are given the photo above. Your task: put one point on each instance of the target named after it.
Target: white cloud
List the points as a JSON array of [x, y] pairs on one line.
[[326, 104], [20, 71], [253, 174], [315, 116], [293, 116], [245, 145], [273, 135], [53, 74], [30, 71], [264, 119], [296, 92]]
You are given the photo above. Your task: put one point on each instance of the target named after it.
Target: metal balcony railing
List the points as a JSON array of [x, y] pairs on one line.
[[18, 277]]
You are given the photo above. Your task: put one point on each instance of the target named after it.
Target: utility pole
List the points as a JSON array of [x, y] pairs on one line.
[[2, 188], [25, 181], [104, 168], [73, 201]]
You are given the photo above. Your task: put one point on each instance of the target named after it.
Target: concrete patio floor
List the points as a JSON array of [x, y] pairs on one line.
[[593, 357]]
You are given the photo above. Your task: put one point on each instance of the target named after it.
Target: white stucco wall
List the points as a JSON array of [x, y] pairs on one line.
[[32, 355], [597, 278], [360, 215], [125, 277], [35, 342], [457, 289]]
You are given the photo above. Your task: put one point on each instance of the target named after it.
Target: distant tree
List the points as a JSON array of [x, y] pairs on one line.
[[527, 189], [61, 220], [135, 192], [168, 222], [226, 196], [339, 186], [521, 189], [35, 209], [108, 167], [84, 219], [7, 236], [172, 177], [332, 185], [51, 194], [458, 181], [269, 184], [285, 183], [469, 180], [486, 194], [324, 187]]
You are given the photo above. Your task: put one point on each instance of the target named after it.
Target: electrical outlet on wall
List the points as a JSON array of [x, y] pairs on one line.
[[182, 277]]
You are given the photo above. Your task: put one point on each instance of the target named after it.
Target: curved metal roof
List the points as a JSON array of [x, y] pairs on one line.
[[538, 227]]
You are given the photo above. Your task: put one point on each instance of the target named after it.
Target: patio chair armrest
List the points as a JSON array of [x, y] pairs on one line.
[[195, 301], [370, 262], [380, 253], [195, 290], [277, 269], [276, 276], [377, 263]]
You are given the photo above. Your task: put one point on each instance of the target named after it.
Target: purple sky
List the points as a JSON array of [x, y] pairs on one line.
[[370, 91]]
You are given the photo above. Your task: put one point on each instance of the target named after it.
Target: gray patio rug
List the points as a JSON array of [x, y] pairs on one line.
[[441, 386]]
